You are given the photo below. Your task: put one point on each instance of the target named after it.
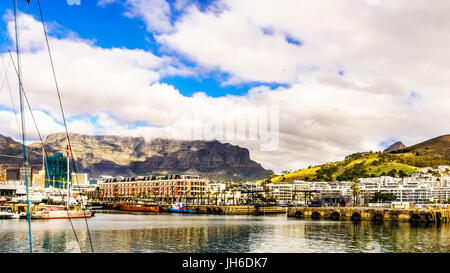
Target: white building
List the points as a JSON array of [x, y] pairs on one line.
[[216, 187], [283, 192]]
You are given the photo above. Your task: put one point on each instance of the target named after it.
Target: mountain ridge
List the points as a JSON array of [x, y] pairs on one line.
[[128, 156]]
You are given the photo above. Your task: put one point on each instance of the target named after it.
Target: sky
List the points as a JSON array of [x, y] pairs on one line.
[[318, 80]]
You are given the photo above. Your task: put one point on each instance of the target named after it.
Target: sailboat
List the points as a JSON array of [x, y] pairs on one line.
[[46, 212], [61, 212]]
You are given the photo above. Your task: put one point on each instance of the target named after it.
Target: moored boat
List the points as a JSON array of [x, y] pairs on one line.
[[138, 207], [7, 213], [61, 213], [180, 208]]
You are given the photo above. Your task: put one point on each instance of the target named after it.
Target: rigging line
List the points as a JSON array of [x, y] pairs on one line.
[[63, 115], [43, 145], [15, 156], [46, 158], [23, 123], [6, 70], [7, 81], [10, 93], [40, 137]]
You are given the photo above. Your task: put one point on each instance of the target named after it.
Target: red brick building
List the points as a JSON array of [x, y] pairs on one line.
[[187, 188]]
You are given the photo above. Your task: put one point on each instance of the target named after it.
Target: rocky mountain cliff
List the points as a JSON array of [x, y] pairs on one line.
[[395, 147], [117, 155], [11, 152]]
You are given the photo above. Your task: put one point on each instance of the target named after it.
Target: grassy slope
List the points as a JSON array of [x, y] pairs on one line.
[[430, 153], [365, 164]]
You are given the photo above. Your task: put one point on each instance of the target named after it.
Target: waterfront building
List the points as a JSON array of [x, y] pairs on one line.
[[80, 179], [39, 179], [216, 187], [8, 191], [283, 192], [16, 176], [163, 188], [56, 171]]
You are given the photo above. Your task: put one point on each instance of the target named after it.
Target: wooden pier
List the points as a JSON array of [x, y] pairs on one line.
[[374, 214]]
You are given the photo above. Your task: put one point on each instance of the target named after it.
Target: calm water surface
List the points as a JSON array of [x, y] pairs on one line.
[[137, 232]]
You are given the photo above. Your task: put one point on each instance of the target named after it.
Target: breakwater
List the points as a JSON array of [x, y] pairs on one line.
[[376, 214]]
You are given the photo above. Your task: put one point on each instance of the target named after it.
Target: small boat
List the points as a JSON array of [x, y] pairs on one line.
[[138, 207], [61, 213], [180, 208], [32, 197], [7, 213]]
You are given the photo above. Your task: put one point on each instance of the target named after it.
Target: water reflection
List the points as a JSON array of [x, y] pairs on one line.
[[140, 232]]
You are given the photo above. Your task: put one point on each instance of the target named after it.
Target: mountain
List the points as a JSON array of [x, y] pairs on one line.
[[435, 147], [127, 156], [395, 147], [394, 161], [11, 152]]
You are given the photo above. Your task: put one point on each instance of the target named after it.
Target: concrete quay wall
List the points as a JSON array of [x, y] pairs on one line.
[[376, 214], [236, 210], [217, 209]]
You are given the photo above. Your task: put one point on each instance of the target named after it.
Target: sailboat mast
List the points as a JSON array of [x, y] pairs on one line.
[[43, 158], [68, 178], [19, 75]]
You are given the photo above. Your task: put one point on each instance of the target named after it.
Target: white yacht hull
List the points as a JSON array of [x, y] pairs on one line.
[[61, 214]]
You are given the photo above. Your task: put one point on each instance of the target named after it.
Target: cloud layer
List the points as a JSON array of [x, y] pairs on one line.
[[355, 74]]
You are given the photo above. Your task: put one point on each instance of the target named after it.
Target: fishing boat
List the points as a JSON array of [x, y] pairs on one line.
[[180, 208], [7, 213], [138, 207], [60, 213]]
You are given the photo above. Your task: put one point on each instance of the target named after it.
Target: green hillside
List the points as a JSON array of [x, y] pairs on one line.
[[431, 153]]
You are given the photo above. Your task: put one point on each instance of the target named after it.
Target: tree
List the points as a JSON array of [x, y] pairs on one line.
[[392, 172], [173, 193], [115, 191], [188, 192], [401, 173], [97, 189], [208, 193], [383, 197], [181, 195], [217, 195], [223, 193], [355, 192], [233, 192]]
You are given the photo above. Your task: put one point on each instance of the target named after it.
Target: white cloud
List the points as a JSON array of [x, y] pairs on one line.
[[155, 13], [106, 2], [367, 41], [386, 51], [74, 2]]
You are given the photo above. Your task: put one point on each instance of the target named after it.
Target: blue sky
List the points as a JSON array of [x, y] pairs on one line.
[[107, 27]]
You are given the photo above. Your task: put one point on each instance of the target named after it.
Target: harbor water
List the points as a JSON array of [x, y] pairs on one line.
[[114, 231]]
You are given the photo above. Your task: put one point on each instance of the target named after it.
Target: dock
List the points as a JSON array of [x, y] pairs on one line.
[[369, 213], [435, 215], [219, 209]]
